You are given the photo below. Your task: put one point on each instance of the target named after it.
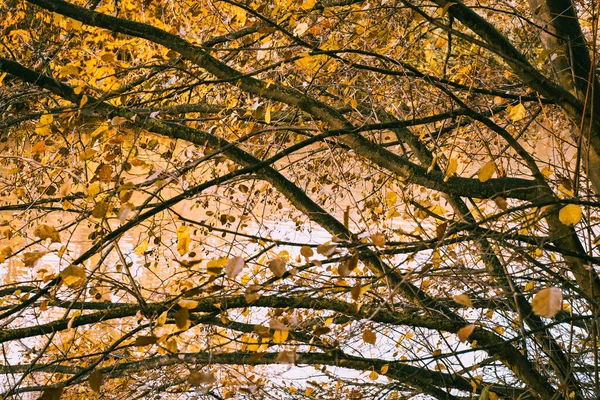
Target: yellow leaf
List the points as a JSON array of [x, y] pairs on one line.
[[374, 375], [487, 171], [277, 267], [43, 126], [463, 299], [451, 169], [309, 391], [307, 5], [69, 70], [268, 115], [517, 112], [217, 262], [570, 214], [547, 302], [162, 318], [141, 249], [84, 100], [93, 189], [47, 232], [73, 276], [280, 336], [391, 198], [384, 369], [464, 332], [183, 239], [306, 252], [378, 239], [369, 336], [529, 286], [189, 304]]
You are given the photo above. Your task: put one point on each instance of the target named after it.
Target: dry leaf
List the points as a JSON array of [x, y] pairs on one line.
[[547, 302], [52, 394], [182, 319], [100, 209], [326, 250], [73, 276], [517, 112], [487, 171], [183, 239], [95, 380], [47, 232], [451, 169], [306, 252], [463, 299], [349, 265], [286, 357], [234, 267], [277, 267], [29, 259], [201, 379], [378, 239], [465, 332], [145, 340], [369, 336]]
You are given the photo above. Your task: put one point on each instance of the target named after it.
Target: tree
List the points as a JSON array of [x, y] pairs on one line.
[[307, 199]]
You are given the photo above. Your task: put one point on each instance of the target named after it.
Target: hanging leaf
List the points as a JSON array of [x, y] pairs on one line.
[[570, 214], [463, 299], [349, 265], [326, 250], [234, 266], [201, 379], [464, 332], [95, 380], [182, 319], [369, 336], [30, 258], [47, 232], [451, 169], [374, 375], [378, 239], [183, 239], [306, 252], [73, 276], [52, 394], [277, 267], [547, 302], [145, 340], [486, 171], [279, 337], [517, 112]]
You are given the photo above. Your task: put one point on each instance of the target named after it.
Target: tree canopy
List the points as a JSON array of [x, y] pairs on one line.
[[391, 199]]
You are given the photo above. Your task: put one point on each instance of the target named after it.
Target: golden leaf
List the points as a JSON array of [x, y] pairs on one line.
[[378, 239], [280, 336], [182, 319], [374, 375], [201, 379], [369, 336], [100, 209], [486, 171], [183, 239], [463, 299], [47, 232], [306, 252], [547, 302], [464, 332], [73, 276], [570, 214], [30, 258], [517, 112], [277, 267], [451, 169]]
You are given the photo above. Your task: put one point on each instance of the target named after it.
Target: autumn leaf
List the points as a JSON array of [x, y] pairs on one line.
[[182, 319], [47, 232], [486, 172], [464, 332], [277, 267], [369, 336], [451, 168], [463, 299], [200, 378], [378, 239], [95, 380], [306, 252], [279, 336], [326, 250], [286, 357], [517, 112], [30, 258], [145, 340], [52, 393], [547, 302], [570, 214], [183, 239], [73, 276], [234, 266]]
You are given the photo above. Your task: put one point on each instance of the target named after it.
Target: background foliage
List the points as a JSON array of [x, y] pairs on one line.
[[299, 199]]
